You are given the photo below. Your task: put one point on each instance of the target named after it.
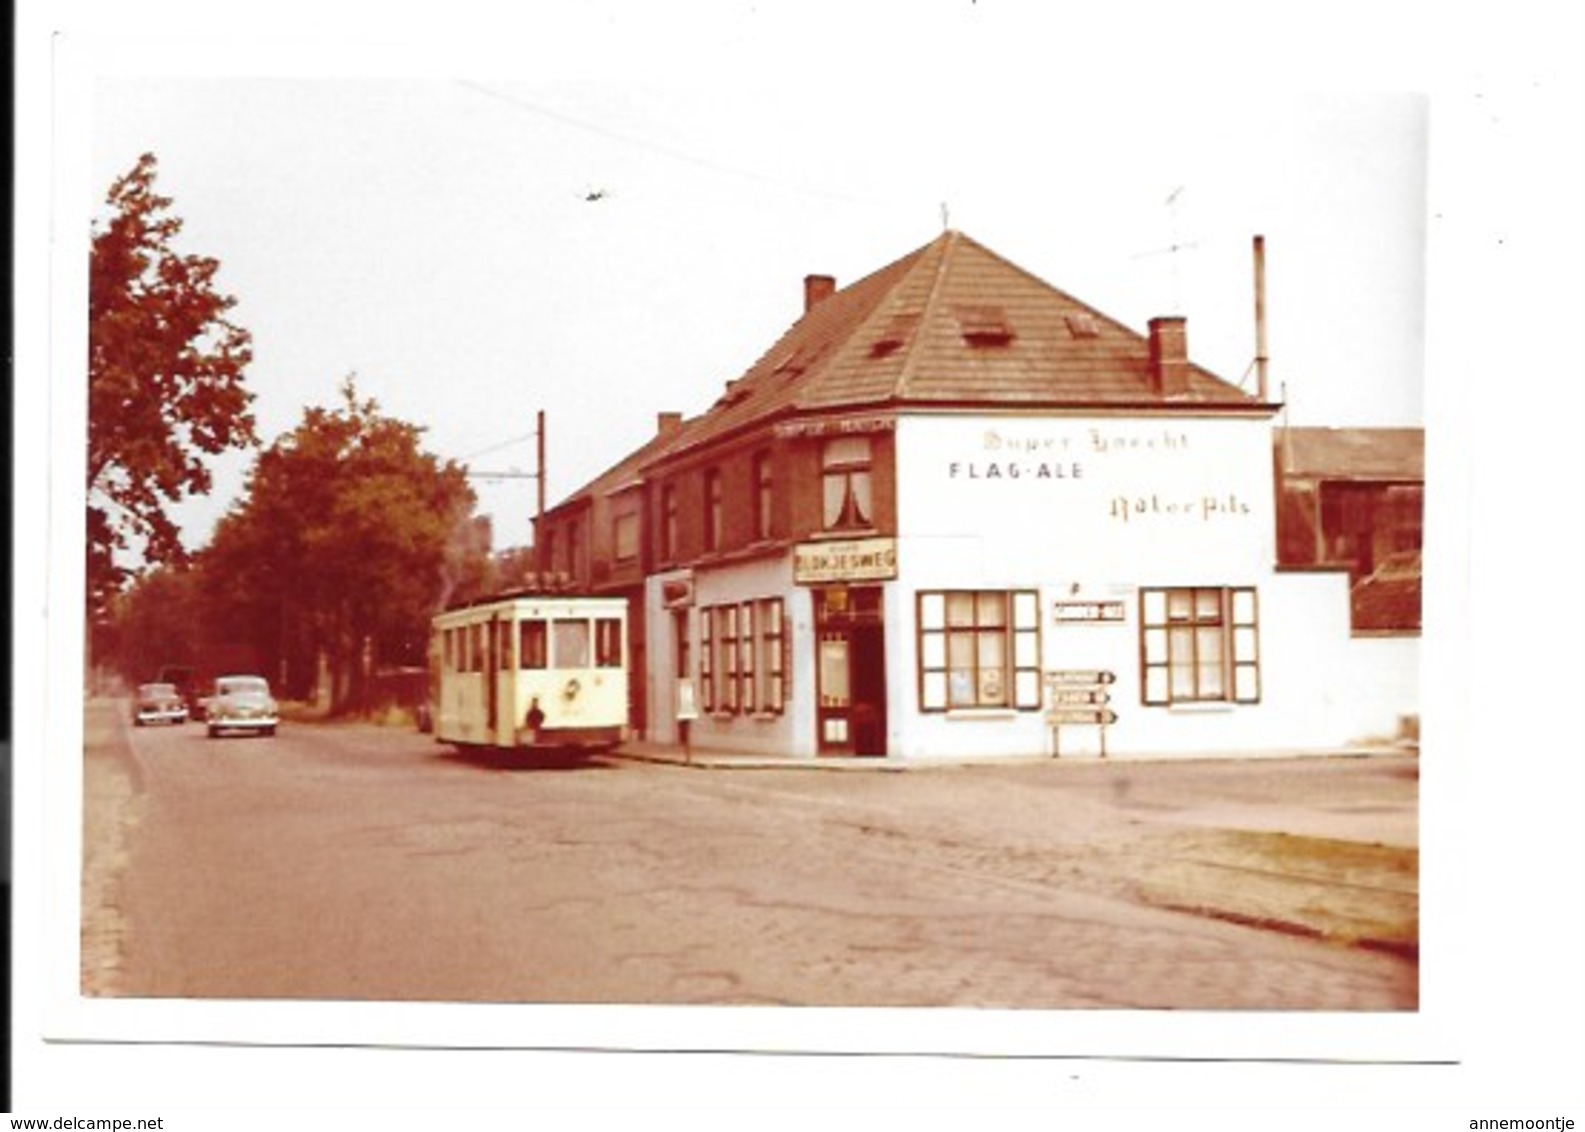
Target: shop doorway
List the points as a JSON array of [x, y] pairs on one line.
[[850, 671]]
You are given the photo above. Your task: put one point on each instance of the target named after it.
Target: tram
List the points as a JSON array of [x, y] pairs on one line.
[[532, 672]]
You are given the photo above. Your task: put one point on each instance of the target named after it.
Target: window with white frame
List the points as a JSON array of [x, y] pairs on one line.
[[747, 622], [729, 646], [1200, 644], [707, 659], [761, 666], [847, 489], [742, 658], [979, 649]]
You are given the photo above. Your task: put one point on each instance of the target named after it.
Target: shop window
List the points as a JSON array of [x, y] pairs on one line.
[[742, 658], [761, 664], [772, 660], [746, 656], [1200, 644], [729, 646], [845, 477], [979, 649], [706, 660]]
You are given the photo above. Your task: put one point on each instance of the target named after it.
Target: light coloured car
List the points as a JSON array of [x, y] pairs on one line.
[[158, 703], [241, 704]]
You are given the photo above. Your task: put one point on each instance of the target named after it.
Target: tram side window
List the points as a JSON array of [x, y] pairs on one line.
[[571, 643], [476, 653], [531, 644], [608, 643]]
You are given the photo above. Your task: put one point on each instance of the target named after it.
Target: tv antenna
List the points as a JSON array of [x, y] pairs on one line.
[[1176, 244]]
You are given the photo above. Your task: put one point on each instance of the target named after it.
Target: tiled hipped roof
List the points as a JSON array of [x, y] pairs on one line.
[[952, 324]]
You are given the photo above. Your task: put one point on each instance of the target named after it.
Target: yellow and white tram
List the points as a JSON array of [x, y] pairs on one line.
[[532, 672]]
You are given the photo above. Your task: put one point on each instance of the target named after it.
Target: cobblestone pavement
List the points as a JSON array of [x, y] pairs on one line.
[[358, 863]]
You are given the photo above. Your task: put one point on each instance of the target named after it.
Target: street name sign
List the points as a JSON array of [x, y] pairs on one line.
[[1096, 716], [1080, 676]]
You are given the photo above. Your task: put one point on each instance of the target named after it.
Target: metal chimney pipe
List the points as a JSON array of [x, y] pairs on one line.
[[1261, 358]]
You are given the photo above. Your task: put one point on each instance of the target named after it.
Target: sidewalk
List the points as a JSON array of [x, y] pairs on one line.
[[638, 750], [642, 751]]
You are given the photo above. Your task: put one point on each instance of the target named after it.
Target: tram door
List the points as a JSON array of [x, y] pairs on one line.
[[851, 671], [492, 671]]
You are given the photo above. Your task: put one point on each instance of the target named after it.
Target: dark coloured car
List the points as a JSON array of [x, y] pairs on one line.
[[158, 703]]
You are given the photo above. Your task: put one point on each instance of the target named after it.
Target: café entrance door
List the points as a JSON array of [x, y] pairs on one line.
[[850, 671]]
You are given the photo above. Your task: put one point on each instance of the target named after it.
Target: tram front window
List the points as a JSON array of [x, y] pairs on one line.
[[572, 643], [531, 651]]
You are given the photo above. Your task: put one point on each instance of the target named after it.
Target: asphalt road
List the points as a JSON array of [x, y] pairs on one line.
[[352, 862]]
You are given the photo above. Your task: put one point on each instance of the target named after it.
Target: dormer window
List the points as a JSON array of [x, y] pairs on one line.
[[736, 392], [984, 325], [1082, 325], [848, 494], [899, 328]]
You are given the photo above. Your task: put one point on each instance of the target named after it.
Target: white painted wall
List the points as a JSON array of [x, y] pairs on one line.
[[1093, 509], [791, 732], [1096, 499], [1078, 509]]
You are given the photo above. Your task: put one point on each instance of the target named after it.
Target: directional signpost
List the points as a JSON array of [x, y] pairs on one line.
[[1079, 697]]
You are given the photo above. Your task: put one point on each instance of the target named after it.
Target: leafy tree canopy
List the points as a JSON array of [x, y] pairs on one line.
[[349, 537], [165, 378]]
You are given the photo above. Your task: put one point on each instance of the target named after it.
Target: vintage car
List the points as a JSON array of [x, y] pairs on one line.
[[241, 703], [158, 703]]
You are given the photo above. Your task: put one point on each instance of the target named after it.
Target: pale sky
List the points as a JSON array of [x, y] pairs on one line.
[[437, 236]]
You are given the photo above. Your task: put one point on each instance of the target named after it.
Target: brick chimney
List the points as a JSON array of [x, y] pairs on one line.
[[817, 288], [1169, 355], [667, 423]]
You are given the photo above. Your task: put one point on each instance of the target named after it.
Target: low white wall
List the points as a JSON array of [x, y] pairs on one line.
[[1321, 688]]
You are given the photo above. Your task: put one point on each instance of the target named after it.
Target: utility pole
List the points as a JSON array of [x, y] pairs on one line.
[[538, 475], [540, 565]]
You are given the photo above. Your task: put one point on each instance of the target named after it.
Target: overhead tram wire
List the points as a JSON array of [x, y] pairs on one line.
[[663, 150], [497, 447]]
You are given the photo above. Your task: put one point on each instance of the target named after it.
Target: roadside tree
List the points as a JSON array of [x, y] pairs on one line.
[[165, 381], [158, 622], [347, 539]]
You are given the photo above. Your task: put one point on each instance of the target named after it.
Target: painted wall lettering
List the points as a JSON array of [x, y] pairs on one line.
[[1206, 507], [1015, 470]]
